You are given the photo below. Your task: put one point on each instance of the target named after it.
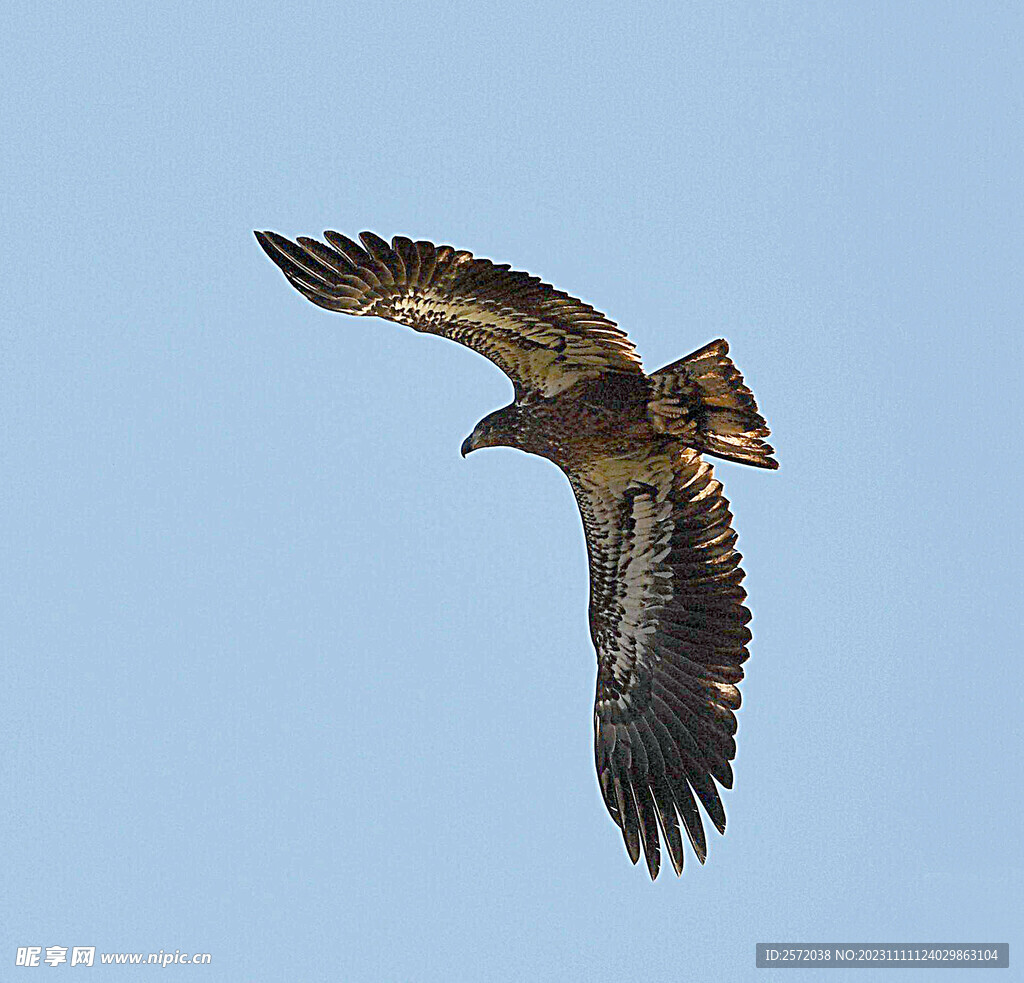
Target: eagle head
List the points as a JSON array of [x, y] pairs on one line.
[[497, 429]]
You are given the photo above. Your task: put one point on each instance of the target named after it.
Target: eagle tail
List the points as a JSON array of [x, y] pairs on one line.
[[702, 400]]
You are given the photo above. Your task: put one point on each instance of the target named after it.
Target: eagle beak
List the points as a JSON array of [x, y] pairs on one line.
[[468, 445]]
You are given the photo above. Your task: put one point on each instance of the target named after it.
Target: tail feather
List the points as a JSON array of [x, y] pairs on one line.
[[702, 399]]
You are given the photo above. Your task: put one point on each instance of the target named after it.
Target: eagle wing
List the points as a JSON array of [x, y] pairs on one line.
[[669, 625], [543, 339]]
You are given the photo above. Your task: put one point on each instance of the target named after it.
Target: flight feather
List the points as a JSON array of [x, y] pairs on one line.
[[542, 338]]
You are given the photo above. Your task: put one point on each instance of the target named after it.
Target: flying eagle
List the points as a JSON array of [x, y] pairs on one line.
[[666, 607]]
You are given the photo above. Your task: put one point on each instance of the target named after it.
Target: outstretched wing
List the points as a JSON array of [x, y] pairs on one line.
[[669, 625], [543, 339]]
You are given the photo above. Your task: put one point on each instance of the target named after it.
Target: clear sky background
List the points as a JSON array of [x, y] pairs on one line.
[[287, 681]]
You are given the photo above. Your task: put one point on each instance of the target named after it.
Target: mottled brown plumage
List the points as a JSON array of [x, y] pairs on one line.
[[666, 603]]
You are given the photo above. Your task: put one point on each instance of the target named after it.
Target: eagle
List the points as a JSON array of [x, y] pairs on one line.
[[667, 612]]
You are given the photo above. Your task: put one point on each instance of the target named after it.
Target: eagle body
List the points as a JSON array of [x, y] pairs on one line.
[[667, 612], [594, 419]]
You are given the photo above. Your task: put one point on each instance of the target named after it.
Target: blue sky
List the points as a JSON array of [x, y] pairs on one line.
[[288, 681]]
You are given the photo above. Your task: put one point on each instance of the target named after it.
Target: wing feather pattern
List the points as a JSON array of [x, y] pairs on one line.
[[542, 338], [670, 628]]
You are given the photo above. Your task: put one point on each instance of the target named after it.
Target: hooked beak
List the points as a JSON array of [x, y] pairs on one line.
[[468, 445]]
